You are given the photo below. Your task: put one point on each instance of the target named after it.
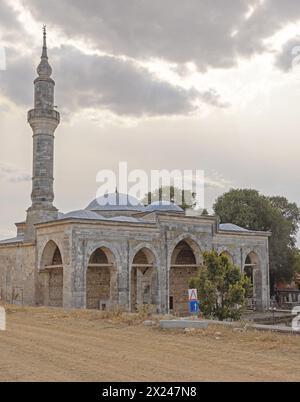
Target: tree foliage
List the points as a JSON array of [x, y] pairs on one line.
[[251, 210], [183, 198], [222, 288]]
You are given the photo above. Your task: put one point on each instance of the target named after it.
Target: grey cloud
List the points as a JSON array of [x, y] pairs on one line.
[[7, 16], [174, 30], [16, 80], [116, 85], [11, 29], [13, 174], [91, 81]]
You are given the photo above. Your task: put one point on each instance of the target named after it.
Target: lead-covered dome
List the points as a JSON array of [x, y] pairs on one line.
[[116, 202], [164, 206]]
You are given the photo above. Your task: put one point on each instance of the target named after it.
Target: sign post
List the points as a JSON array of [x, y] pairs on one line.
[[193, 302]]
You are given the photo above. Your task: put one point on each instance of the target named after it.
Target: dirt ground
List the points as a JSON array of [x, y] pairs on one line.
[[55, 345]]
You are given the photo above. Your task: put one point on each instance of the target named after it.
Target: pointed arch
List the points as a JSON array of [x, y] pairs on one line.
[[143, 278], [51, 255], [50, 284], [149, 249], [252, 269], [192, 242], [111, 251], [185, 260]]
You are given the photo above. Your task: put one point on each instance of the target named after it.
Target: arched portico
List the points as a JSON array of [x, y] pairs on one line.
[[50, 290], [101, 279], [186, 259], [144, 279]]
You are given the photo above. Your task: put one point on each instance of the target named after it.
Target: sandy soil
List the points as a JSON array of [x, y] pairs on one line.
[[56, 345]]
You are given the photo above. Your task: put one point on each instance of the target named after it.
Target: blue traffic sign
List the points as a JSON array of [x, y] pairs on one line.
[[194, 306]]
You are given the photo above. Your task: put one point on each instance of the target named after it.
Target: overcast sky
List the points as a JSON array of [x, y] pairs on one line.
[[172, 84]]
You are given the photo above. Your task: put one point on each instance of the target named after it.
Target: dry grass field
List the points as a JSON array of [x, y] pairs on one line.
[[57, 345]]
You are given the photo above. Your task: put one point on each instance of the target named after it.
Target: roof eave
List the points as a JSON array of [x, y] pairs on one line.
[[92, 221], [245, 233]]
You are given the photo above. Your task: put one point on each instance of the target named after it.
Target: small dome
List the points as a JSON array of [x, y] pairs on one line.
[[115, 202], [164, 206]]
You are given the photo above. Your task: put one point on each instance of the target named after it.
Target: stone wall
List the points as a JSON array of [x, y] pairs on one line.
[[17, 274], [97, 287], [55, 278], [179, 285], [240, 246], [123, 242]]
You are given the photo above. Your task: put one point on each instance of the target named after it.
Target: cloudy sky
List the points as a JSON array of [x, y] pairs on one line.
[[173, 84]]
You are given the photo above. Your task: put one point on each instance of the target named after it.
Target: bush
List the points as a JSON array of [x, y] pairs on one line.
[[222, 288]]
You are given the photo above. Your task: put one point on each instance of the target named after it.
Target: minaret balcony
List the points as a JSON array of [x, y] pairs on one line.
[[50, 114]]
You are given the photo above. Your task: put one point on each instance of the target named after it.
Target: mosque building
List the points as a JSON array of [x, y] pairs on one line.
[[116, 253]]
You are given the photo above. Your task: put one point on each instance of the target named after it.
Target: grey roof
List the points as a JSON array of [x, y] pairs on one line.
[[230, 227], [116, 202], [163, 206], [90, 215], [18, 239], [81, 214]]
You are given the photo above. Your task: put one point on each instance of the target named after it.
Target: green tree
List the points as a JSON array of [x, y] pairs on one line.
[[183, 198], [254, 211], [222, 288]]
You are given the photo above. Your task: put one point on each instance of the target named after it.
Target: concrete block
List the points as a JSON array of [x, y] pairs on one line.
[[182, 324]]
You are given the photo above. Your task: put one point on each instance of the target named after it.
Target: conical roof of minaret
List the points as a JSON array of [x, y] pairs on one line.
[[44, 69]]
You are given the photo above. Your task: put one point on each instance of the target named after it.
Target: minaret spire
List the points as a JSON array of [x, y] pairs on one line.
[[44, 53], [43, 120], [44, 69]]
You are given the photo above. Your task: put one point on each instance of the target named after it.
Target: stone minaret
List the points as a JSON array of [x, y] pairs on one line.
[[43, 120]]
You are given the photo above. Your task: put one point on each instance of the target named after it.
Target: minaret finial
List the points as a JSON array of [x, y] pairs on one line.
[[44, 69], [44, 54]]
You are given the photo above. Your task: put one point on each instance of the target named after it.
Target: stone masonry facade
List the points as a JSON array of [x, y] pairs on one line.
[[112, 256], [27, 267]]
